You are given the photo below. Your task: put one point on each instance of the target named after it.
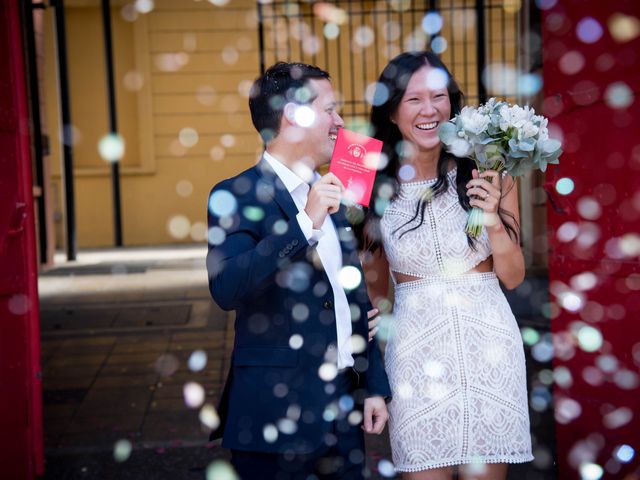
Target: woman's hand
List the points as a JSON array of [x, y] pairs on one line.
[[373, 322], [485, 192]]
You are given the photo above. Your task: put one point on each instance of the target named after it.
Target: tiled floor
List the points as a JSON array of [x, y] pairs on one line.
[[118, 328], [115, 352]]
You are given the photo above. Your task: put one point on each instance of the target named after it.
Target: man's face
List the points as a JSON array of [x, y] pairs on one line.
[[319, 136]]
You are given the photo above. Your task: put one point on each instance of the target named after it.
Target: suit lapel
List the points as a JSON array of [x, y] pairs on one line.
[[271, 181], [278, 191]]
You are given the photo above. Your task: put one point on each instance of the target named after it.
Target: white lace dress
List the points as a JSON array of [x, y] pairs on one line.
[[454, 356]]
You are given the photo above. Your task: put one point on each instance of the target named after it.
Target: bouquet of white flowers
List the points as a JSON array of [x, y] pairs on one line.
[[500, 137]]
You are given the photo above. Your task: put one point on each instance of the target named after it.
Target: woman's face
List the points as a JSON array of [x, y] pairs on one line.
[[424, 105]]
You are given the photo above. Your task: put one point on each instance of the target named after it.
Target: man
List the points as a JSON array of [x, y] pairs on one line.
[[281, 254]]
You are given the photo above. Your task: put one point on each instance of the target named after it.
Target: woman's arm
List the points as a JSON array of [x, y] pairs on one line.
[[489, 192], [376, 274]]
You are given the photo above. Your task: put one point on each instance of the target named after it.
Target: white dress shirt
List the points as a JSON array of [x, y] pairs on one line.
[[328, 250]]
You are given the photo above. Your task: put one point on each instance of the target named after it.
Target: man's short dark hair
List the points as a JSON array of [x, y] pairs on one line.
[[280, 84]]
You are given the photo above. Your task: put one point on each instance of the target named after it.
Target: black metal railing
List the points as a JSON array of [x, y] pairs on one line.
[[477, 33]]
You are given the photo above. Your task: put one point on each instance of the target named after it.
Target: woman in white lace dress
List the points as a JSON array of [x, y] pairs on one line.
[[454, 355]]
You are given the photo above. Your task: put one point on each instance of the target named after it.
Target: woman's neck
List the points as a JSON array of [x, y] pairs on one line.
[[425, 165]]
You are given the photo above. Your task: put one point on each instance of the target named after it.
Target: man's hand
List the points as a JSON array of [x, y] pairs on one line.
[[324, 198], [375, 415], [373, 322]]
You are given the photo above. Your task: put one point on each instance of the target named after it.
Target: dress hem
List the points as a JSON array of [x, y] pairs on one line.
[[474, 460]]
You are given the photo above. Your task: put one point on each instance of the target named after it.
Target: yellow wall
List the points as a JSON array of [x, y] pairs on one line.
[[189, 63], [161, 178]]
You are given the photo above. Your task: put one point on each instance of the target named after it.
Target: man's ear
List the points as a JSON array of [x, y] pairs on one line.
[[289, 113]]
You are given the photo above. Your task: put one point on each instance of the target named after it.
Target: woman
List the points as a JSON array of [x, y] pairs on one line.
[[454, 355]]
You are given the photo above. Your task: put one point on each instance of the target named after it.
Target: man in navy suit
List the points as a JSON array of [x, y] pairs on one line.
[[304, 381]]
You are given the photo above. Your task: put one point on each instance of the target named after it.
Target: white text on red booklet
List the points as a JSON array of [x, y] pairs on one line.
[[355, 162]]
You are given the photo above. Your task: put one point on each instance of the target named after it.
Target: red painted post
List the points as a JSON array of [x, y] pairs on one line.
[[21, 439], [591, 85]]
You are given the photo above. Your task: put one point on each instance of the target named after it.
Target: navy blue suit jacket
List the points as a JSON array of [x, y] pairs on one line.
[[267, 272]]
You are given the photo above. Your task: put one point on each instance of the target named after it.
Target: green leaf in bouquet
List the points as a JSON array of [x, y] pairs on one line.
[[527, 144], [519, 154], [516, 167], [479, 154], [550, 145], [448, 132]]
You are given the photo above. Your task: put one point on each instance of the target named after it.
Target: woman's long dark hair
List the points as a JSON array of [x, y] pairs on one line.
[[392, 84]]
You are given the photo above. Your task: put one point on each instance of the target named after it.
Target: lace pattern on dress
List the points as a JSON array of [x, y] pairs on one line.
[[454, 354], [439, 245]]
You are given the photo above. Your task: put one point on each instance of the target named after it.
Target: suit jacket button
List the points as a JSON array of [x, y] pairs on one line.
[[281, 254], [294, 242], [328, 304]]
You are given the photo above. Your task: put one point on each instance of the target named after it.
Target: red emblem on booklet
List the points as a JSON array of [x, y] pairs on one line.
[[355, 162]]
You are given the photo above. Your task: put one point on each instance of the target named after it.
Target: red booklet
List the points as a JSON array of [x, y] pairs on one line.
[[355, 162]]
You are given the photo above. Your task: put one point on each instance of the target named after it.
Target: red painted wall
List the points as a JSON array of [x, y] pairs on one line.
[[591, 87], [21, 445]]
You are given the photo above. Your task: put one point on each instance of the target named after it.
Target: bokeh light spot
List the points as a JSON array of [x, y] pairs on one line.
[[624, 453], [567, 410], [144, 6], [133, 81], [304, 116], [184, 188], [19, 304], [350, 277], [529, 84], [376, 94], [432, 23], [618, 95], [216, 235], [166, 364], [179, 227], [122, 450], [197, 360], [227, 140], [589, 30], [591, 471], [439, 44], [589, 338], [296, 341], [530, 336], [364, 36], [111, 147], [209, 417], [589, 208], [358, 343], [255, 214], [300, 312], [386, 468], [331, 31], [623, 28], [437, 78], [193, 394], [571, 62], [188, 137], [221, 469], [222, 203], [328, 371], [270, 433]]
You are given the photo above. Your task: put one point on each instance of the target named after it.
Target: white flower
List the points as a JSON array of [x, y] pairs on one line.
[[460, 148], [488, 106], [514, 116], [527, 130], [473, 121]]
